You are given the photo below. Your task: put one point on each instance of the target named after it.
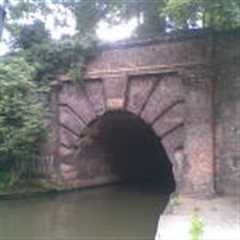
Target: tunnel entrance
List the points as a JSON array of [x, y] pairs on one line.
[[122, 144]]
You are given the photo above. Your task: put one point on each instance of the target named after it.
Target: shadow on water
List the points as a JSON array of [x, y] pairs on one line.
[[113, 212]]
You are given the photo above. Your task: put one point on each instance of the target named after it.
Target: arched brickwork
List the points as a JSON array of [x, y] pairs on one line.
[[167, 83], [156, 98]]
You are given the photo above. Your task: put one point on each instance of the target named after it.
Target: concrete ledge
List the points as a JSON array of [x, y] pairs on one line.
[[219, 219]]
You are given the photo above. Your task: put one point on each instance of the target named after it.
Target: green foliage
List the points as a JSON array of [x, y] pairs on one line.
[[50, 57], [27, 8], [217, 14], [31, 35], [197, 226], [157, 15], [7, 179], [25, 77], [153, 16], [89, 13], [183, 13], [62, 57], [21, 114]]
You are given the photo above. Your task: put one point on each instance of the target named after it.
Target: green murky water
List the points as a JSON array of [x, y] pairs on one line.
[[115, 212]]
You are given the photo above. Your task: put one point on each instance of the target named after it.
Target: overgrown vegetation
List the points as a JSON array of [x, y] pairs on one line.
[[25, 77], [53, 57], [21, 114]]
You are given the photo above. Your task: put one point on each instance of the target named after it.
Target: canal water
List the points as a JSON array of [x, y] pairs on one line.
[[106, 213]]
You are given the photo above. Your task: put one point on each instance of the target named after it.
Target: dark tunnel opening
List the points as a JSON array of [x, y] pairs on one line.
[[132, 150]]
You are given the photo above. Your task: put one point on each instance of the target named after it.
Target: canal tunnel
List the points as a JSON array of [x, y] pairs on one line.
[[122, 144]]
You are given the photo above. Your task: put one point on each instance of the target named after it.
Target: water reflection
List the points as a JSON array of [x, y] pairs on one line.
[[115, 212]]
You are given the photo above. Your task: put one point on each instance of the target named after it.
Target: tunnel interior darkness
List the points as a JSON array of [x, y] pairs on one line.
[[132, 150]]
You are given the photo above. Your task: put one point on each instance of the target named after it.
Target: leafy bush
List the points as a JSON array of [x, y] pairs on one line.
[[21, 114], [54, 58]]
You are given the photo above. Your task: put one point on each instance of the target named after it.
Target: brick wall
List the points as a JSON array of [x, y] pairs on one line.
[[206, 152], [227, 112]]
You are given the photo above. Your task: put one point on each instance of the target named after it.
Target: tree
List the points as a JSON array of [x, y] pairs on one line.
[[31, 35], [154, 16], [90, 13], [216, 14]]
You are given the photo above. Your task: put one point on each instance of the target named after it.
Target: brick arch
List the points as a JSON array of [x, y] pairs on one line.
[[157, 99]]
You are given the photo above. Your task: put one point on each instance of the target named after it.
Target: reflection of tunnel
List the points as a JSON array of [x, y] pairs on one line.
[[132, 149]]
